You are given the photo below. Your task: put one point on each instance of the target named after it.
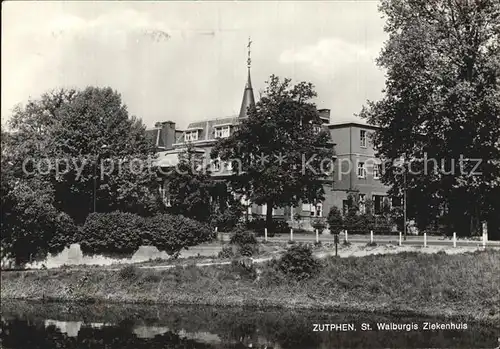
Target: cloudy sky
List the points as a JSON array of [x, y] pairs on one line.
[[185, 61]]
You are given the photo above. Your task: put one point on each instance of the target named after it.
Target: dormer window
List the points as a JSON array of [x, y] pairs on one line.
[[190, 136], [222, 132]]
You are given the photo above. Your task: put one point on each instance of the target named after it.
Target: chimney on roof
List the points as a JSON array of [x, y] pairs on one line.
[[166, 135]]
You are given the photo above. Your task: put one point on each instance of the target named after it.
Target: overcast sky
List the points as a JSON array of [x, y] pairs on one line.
[[186, 61]]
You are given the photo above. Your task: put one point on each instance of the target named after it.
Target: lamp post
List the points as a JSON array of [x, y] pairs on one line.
[[404, 204], [103, 147]]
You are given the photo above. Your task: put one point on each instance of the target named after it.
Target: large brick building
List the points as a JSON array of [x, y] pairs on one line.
[[356, 171]]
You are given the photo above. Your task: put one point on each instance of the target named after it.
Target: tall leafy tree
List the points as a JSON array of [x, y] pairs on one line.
[[279, 155], [442, 102], [31, 226], [189, 186], [96, 151]]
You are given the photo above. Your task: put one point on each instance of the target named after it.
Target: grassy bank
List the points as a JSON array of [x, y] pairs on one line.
[[463, 285]]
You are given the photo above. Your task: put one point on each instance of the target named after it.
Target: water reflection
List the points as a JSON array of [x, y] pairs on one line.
[[32, 325]]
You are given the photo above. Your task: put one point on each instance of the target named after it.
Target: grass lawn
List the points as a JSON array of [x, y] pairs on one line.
[[414, 283]]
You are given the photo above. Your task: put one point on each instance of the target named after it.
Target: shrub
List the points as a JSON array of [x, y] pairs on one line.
[[226, 252], [31, 226], [318, 224], [114, 233], [171, 233], [227, 220], [335, 220], [280, 227], [245, 241], [242, 237], [247, 250], [298, 263], [120, 233], [364, 223]]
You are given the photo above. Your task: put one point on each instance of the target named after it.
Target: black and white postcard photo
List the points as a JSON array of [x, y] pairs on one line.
[[250, 174]]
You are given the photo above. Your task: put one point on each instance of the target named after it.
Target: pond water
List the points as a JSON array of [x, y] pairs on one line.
[[54, 325]]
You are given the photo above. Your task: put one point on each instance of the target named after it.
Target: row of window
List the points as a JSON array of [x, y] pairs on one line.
[[376, 170], [219, 132], [217, 165], [315, 210], [379, 201], [224, 132]]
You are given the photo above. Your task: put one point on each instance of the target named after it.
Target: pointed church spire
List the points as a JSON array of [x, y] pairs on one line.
[[248, 98]]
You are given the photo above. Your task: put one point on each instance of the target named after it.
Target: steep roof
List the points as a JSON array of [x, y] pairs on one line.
[[248, 97]]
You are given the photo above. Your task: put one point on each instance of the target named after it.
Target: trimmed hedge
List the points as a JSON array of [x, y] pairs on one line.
[[172, 233], [121, 233], [114, 233]]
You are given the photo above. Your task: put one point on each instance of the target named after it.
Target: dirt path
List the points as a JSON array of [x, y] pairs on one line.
[[354, 250]]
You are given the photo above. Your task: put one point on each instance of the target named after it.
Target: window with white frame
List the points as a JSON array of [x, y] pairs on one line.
[[190, 136], [362, 203], [378, 203], [222, 132], [362, 138], [376, 171], [317, 210], [216, 165], [228, 165], [361, 170], [314, 210]]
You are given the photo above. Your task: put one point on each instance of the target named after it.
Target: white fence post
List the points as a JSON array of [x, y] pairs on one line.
[[400, 238], [425, 239], [485, 233], [371, 236], [291, 234], [317, 236], [454, 239], [265, 234], [346, 235], [217, 234]]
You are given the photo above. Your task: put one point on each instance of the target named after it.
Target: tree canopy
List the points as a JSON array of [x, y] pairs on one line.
[[441, 108], [279, 154], [72, 139]]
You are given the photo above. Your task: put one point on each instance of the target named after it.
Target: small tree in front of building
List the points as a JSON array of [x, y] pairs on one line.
[[282, 158], [335, 220]]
